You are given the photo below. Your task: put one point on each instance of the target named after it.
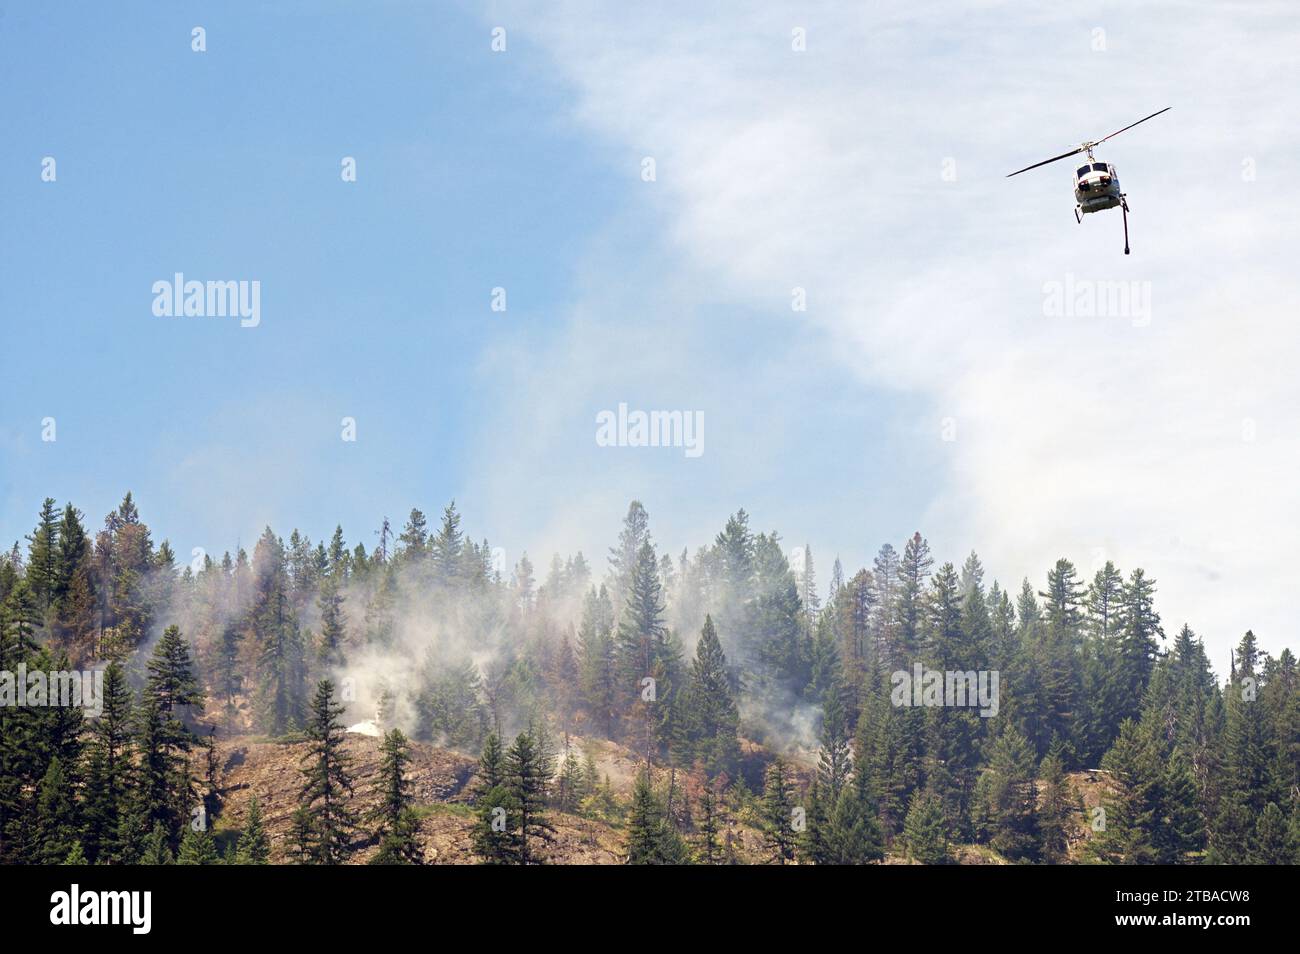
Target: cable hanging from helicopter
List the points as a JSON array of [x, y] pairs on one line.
[[1096, 184]]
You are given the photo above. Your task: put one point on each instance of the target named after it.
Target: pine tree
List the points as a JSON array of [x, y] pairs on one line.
[[1179, 830], [641, 645], [254, 846], [884, 611], [394, 789], [523, 584], [1273, 843], [1056, 809], [807, 579], [811, 843], [43, 556], [130, 837], [854, 833], [570, 784], [495, 835], [327, 771], [197, 848], [1138, 643], [157, 848], [712, 717], [827, 668], [1009, 796], [925, 832], [74, 596], [528, 772], [397, 822], [21, 764], [56, 817], [303, 838], [415, 537], [887, 744], [172, 682], [1245, 776], [913, 572], [108, 784], [400, 844], [1104, 602], [337, 558], [624, 558], [862, 638], [491, 767], [651, 838], [776, 647], [228, 679], [1293, 832], [448, 547], [733, 554], [710, 851], [777, 812], [172, 696], [597, 676], [280, 663], [1133, 812], [835, 759], [333, 624]]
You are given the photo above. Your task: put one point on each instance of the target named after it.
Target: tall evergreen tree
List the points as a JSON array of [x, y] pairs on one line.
[[710, 824], [925, 832], [397, 823], [280, 661], [108, 783], [712, 717], [778, 812], [528, 772], [254, 846], [651, 838], [641, 646], [43, 556], [197, 848], [327, 770], [1133, 812], [834, 761], [597, 676], [1009, 797], [914, 570], [1057, 807], [56, 817]]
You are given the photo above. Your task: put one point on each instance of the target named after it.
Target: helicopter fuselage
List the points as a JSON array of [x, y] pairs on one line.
[[1096, 184], [1096, 187]]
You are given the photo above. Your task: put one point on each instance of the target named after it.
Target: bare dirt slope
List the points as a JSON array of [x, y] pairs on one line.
[[440, 783]]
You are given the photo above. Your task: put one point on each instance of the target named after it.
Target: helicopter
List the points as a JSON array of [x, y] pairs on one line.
[[1096, 184]]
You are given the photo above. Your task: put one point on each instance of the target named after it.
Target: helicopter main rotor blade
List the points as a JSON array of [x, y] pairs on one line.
[[1130, 126], [1064, 155]]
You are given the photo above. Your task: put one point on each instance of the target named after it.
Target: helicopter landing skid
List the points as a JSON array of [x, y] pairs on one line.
[[1123, 204]]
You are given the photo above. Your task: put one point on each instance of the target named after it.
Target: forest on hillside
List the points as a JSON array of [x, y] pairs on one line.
[[740, 685]]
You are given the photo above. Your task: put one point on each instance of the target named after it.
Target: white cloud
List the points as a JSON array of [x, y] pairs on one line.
[[822, 169]]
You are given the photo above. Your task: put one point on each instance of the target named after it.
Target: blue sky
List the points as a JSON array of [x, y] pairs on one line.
[[226, 164], [776, 168]]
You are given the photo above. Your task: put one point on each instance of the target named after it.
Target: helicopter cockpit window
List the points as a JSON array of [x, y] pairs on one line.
[[1083, 171], [1100, 167]]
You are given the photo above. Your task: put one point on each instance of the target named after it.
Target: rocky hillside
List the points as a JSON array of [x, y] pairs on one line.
[[441, 781]]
